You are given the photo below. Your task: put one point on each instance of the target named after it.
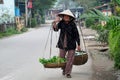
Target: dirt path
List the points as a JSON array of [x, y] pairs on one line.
[[103, 66]]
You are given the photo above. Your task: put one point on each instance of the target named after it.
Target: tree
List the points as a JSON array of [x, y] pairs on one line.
[[43, 4], [88, 4], [40, 6], [115, 4], [66, 4]]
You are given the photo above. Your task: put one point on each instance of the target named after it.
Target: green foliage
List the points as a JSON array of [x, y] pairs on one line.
[[9, 31], [43, 19], [40, 7], [95, 14], [33, 22], [116, 2], [117, 8], [103, 36], [103, 31], [43, 4], [24, 29], [114, 36], [109, 33], [112, 22], [114, 44], [87, 4], [89, 22], [54, 59], [97, 27], [117, 60]]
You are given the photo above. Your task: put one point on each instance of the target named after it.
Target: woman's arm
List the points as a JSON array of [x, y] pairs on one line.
[[56, 23], [55, 26]]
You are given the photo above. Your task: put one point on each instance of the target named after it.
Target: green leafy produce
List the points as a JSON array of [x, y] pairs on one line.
[[79, 53], [54, 59]]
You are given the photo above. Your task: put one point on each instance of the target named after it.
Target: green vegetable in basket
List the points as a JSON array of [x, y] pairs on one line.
[[62, 60], [43, 61], [54, 59]]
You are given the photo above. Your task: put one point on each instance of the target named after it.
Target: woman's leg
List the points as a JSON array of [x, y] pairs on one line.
[[62, 53], [70, 59]]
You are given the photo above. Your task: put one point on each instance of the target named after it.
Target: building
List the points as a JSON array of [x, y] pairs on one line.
[[11, 12], [7, 10]]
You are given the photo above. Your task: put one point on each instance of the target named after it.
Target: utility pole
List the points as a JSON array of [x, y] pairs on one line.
[[26, 13]]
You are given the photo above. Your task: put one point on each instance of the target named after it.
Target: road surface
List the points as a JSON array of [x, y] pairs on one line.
[[19, 58]]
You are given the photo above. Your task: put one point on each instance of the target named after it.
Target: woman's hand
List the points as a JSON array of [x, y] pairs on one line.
[[54, 24], [57, 20], [78, 48]]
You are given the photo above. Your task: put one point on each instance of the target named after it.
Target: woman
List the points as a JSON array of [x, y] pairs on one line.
[[67, 40]]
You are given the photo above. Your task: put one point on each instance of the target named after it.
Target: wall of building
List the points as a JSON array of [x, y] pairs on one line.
[[8, 5], [8, 8]]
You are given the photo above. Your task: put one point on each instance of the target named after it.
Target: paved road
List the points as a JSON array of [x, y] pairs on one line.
[[19, 58]]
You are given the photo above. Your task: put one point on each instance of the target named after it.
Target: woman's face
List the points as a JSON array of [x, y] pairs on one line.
[[66, 18]]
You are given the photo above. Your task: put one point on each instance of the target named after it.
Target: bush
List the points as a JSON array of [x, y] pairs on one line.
[[11, 31], [33, 22], [97, 27], [24, 29], [117, 60], [42, 19], [111, 39], [117, 51], [89, 22], [114, 44], [110, 32], [103, 36], [117, 8], [102, 33]]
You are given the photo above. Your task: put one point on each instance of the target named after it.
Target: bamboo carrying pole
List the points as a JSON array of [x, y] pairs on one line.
[[81, 37]]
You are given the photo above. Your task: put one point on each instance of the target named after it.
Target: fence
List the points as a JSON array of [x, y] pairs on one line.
[[18, 24], [4, 26]]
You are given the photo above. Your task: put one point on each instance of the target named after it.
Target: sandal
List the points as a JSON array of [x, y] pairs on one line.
[[68, 76], [63, 72]]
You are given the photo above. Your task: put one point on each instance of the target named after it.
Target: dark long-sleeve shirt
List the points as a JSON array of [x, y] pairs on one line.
[[71, 32]]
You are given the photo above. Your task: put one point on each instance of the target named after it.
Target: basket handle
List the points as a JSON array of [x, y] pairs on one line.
[[82, 35]]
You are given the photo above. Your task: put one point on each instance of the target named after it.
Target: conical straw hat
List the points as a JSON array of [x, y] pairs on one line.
[[66, 12]]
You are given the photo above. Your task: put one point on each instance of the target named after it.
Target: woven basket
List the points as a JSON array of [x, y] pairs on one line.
[[81, 58], [54, 65]]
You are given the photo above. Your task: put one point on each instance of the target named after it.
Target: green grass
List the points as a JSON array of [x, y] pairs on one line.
[[11, 31]]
